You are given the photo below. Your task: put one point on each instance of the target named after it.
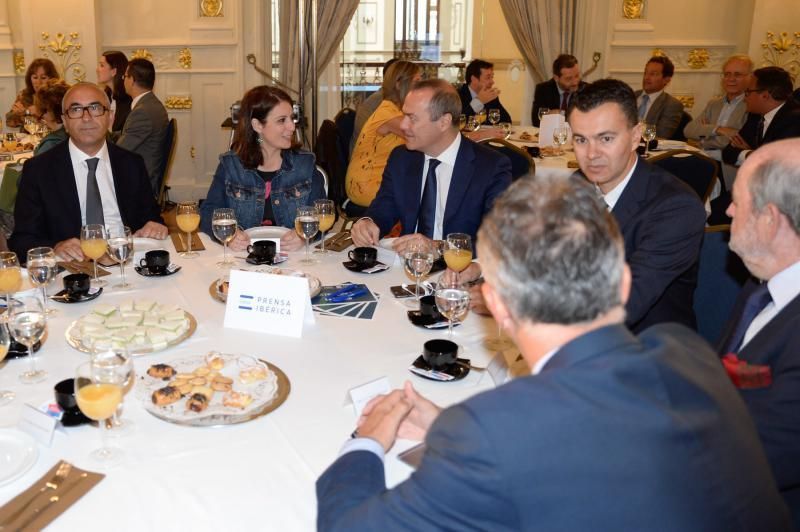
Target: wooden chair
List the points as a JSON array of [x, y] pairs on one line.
[[169, 152]]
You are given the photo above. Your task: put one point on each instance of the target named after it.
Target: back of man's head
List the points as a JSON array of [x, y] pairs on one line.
[[444, 99], [603, 91], [553, 252], [774, 80], [143, 73]]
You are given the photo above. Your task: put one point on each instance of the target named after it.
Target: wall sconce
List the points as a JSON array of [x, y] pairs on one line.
[[367, 20]]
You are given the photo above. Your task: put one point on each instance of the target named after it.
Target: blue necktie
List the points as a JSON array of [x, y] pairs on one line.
[[643, 106], [756, 301], [427, 207]]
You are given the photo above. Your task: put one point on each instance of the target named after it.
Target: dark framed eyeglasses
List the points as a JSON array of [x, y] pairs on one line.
[[94, 109], [748, 92]]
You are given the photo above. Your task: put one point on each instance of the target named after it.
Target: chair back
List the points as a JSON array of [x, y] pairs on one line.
[[329, 159], [721, 275], [521, 161], [693, 168], [345, 121], [168, 153], [324, 175], [678, 135], [8, 188]]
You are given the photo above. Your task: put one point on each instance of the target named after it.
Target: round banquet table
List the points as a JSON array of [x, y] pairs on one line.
[[258, 474]]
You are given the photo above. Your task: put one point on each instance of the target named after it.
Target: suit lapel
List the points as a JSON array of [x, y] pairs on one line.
[[773, 131], [760, 345], [463, 172], [655, 109], [635, 192], [67, 187], [411, 187]]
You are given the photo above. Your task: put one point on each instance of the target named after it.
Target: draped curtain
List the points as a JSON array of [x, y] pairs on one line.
[[542, 29]]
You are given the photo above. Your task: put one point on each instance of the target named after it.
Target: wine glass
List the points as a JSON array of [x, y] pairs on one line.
[[452, 300], [120, 247], [494, 116], [324, 208], [27, 324], [98, 391], [10, 276], [117, 359], [93, 245], [542, 111], [472, 124], [6, 396], [188, 219], [560, 135], [648, 134], [306, 223], [481, 117], [458, 251], [223, 225], [506, 127], [41, 270], [29, 124], [418, 261]]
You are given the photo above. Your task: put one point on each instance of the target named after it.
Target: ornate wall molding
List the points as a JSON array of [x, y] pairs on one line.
[[178, 102], [142, 53], [64, 51], [211, 8], [633, 9], [782, 50], [698, 58], [687, 100], [185, 58], [19, 62]]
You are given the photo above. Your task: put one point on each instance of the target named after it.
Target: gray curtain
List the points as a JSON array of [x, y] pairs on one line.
[[541, 29]]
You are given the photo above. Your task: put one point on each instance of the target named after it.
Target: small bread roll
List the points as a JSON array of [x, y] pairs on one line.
[[161, 371], [166, 396]]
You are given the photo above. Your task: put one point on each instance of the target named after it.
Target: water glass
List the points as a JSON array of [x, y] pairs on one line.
[[452, 300], [306, 224], [223, 225], [6, 396], [542, 111], [120, 247], [648, 134], [418, 261], [494, 116], [41, 270], [27, 323], [560, 135]]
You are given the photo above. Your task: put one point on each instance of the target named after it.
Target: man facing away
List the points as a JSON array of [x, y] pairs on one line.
[[557, 92], [145, 129], [609, 432], [764, 328], [656, 106], [479, 93]]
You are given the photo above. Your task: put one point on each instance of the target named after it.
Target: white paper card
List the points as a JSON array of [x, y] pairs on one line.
[[361, 395], [266, 303], [386, 256], [549, 123], [498, 369], [37, 424]]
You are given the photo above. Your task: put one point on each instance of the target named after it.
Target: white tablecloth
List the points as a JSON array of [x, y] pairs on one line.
[[257, 475]]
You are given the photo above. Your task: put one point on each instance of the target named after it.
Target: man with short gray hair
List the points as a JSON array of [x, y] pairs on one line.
[[763, 334], [609, 432]]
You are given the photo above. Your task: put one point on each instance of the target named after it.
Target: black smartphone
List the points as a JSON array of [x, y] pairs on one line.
[[402, 292], [413, 456]]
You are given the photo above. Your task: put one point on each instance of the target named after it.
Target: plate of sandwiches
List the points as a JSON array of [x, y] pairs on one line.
[[212, 389]]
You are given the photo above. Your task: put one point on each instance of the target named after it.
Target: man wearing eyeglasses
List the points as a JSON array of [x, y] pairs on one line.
[[772, 114], [83, 181], [723, 117]]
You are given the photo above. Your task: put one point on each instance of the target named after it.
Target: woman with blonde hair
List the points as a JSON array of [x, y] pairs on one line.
[[379, 136]]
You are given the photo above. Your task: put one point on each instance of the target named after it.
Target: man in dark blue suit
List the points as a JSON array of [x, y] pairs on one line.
[[610, 432], [764, 330], [439, 182], [479, 93], [661, 218], [557, 92]]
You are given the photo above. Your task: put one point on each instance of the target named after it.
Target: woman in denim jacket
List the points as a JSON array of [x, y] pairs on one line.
[[264, 178]]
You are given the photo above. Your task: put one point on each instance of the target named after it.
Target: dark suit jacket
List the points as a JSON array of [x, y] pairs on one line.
[[546, 95], [145, 133], [785, 124], [615, 433], [662, 221], [479, 176], [665, 112], [467, 110], [776, 410], [48, 211]]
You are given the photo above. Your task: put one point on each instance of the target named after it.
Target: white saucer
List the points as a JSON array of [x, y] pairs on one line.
[[18, 453], [262, 233]]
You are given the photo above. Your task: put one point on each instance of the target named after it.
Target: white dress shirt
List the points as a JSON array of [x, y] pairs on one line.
[[444, 174], [475, 103], [105, 182], [728, 106], [783, 287], [613, 196], [136, 100], [767, 121]]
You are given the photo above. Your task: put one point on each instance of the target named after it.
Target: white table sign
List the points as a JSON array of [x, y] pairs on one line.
[[266, 303], [363, 394], [37, 424]]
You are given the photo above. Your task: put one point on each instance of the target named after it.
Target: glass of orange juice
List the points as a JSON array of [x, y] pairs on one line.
[[117, 359], [10, 276], [458, 251], [98, 391], [327, 215], [94, 245], [188, 219], [6, 396]]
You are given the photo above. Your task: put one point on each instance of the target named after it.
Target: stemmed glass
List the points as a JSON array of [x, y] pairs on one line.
[[27, 324], [542, 111], [560, 135], [93, 245], [98, 391], [188, 219], [458, 251], [120, 247], [506, 127], [117, 359], [6, 396], [41, 270], [10, 142], [472, 124], [481, 117], [10, 276], [494, 116], [648, 134], [223, 225], [418, 261], [452, 300], [29, 124], [324, 208], [306, 224]]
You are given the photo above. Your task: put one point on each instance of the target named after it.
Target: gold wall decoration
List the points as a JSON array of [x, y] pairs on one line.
[[698, 58], [632, 9], [64, 50], [192, 152], [783, 50], [211, 8], [686, 100], [178, 102], [19, 62], [142, 53], [185, 58], [658, 52]]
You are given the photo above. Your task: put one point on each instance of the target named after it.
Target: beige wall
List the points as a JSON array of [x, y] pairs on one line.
[[776, 16]]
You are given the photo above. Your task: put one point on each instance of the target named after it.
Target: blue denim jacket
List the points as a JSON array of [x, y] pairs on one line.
[[297, 183]]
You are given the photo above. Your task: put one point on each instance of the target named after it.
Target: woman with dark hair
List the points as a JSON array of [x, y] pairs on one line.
[[111, 77], [47, 102], [264, 178], [39, 71]]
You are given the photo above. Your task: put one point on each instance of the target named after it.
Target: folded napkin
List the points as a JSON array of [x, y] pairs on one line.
[[36, 507], [338, 242], [83, 266], [180, 242]]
